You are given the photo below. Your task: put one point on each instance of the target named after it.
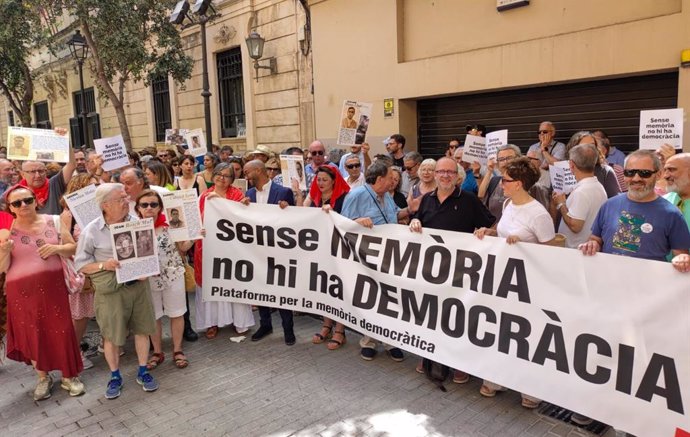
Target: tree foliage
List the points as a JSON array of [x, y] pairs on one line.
[[129, 40], [22, 32]]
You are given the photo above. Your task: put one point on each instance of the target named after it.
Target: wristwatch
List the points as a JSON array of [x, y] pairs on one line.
[[100, 267]]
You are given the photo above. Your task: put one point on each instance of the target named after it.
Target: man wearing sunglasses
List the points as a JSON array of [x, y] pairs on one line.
[[549, 150], [361, 151], [317, 151], [639, 223]]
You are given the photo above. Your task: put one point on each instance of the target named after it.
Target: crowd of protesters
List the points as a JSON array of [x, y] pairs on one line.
[[636, 205]]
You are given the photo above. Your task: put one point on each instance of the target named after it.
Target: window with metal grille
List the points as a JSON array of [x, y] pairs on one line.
[[231, 92], [90, 101], [161, 106], [41, 115]]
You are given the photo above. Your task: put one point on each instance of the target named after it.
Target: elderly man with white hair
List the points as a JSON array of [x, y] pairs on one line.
[[120, 308]]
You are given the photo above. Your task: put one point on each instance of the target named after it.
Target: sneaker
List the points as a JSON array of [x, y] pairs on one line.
[[73, 385], [580, 419], [86, 362], [396, 354], [368, 353], [147, 382], [42, 390], [114, 388]]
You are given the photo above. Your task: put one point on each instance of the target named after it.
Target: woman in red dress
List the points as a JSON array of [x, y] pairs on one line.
[[39, 322]]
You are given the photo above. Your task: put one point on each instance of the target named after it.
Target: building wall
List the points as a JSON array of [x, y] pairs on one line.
[[279, 108], [409, 49]]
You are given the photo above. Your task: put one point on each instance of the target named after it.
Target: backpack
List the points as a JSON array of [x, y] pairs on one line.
[[436, 372]]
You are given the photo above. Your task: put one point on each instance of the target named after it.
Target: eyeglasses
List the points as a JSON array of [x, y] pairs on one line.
[[272, 169], [223, 176], [163, 155], [446, 172], [317, 152], [36, 172], [544, 132], [351, 166], [25, 201], [410, 167], [644, 174], [534, 159], [505, 158], [506, 180], [146, 205]]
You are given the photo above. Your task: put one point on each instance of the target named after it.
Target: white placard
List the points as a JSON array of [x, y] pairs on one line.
[[175, 137], [494, 140], [82, 205], [136, 248], [292, 166], [28, 144], [354, 123], [182, 212], [593, 334], [196, 142], [562, 178], [113, 151], [661, 126], [474, 149]]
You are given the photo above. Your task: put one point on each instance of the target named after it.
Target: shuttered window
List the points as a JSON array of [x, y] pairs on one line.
[[612, 105]]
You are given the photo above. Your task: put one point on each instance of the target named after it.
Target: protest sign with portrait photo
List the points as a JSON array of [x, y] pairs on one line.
[[134, 246], [182, 212], [28, 144], [196, 142], [354, 123], [292, 167]]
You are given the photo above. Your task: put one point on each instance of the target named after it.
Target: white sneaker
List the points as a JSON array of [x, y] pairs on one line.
[[73, 385], [42, 390], [86, 362]]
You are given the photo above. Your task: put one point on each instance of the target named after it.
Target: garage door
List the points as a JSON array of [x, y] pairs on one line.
[[612, 105]]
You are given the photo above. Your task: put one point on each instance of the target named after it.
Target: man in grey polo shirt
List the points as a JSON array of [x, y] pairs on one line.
[[120, 308]]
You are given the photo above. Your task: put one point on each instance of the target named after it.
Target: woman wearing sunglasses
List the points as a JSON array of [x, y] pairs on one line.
[[167, 289], [524, 219], [213, 315], [39, 322]]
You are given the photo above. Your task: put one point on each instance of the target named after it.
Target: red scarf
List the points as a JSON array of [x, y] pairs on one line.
[[160, 221], [340, 187], [41, 193]]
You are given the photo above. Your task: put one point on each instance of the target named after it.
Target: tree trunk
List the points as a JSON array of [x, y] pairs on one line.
[[118, 103]]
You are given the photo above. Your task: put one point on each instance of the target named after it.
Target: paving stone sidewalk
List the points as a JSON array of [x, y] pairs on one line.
[[269, 389]]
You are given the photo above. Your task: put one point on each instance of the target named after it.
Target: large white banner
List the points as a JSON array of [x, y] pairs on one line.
[[606, 336]]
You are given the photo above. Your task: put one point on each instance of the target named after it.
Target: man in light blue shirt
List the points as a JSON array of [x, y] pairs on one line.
[[371, 205]]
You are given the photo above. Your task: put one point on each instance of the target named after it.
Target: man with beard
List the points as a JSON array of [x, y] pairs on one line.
[[639, 223], [677, 175]]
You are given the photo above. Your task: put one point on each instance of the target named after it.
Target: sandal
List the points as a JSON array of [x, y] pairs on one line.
[[334, 343], [325, 333], [530, 404], [180, 360], [212, 332], [156, 360]]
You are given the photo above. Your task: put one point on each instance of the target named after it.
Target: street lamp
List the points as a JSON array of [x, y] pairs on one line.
[[200, 15], [79, 50], [255, 46]]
